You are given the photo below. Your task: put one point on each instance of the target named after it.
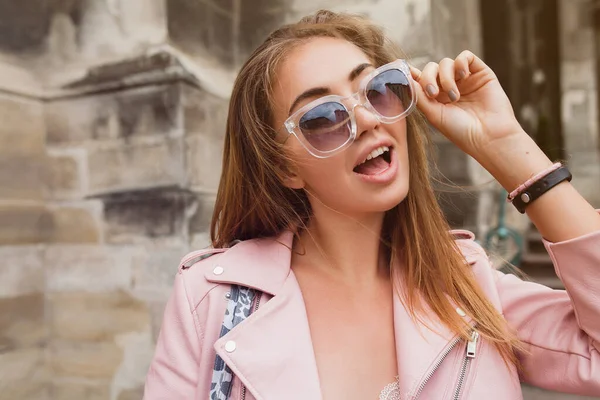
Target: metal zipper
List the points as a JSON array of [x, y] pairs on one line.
[[469, 355], [439, 362], [256, 304]]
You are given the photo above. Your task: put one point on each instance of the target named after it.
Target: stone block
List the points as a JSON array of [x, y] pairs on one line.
[[88, 360], [76, 222], [146, 213], [148, 111], [157, 311], [67, 173], [23, 375], [132, 394], [22, 323], [204, 154], [258, 18], [200, 221], [27, 24], [154, 269], [95, 317], [203, 112], [24, 30], [138, 350], [144, 21], [18, 79], [22, 131], [118, 168], [202, 27], [67, 389], [22, 271], [94, 269], [57, 223], [22, 223], [23, 177], [129, 114]]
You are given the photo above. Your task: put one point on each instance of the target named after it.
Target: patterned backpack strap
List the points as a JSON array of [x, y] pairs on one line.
[[239, 307]]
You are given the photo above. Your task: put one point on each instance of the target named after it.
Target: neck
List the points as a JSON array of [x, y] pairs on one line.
[[347, 247]]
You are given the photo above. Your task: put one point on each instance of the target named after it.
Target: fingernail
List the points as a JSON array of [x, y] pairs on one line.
[[430, 90], [452, 95], [462, 74]]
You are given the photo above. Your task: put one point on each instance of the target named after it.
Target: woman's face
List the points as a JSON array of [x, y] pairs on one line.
[[337, 182]]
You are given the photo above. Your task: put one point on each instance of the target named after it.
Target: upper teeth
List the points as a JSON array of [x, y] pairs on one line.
[[376, 153]]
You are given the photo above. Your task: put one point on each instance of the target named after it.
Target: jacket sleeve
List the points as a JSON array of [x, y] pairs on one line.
[[560, 329], [173, 373]]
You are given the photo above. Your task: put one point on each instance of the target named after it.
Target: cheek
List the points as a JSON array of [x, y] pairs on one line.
[[317, 173]]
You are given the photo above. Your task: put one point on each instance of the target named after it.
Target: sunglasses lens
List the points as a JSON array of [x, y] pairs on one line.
[[327, 126], [390, 93]]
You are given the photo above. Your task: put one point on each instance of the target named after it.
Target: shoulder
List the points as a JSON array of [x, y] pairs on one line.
[[469, 247], [480, 264], [192, 271], [195, 259], [475, 255]]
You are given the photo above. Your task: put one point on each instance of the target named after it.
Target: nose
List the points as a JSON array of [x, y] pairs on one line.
[[365, 120]]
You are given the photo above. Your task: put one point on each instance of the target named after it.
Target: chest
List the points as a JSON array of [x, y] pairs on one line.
[[353, 341]]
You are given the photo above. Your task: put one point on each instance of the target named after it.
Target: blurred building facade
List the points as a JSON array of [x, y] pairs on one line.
[[112, 115]]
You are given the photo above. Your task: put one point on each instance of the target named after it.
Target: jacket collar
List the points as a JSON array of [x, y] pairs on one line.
[[274, 356], [262, 264]]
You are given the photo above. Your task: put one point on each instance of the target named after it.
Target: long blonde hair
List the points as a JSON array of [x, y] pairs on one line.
[[252, 201]]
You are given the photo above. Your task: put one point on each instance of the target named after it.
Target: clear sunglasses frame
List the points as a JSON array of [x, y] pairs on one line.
[[349, 103]]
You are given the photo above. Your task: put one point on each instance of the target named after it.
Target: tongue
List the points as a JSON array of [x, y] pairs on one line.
[[373, 166]]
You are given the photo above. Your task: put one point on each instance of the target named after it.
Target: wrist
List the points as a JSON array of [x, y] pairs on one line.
[[513, 159]]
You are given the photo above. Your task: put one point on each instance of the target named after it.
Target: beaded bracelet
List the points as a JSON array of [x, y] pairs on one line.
[[531, 180], [536, 189]]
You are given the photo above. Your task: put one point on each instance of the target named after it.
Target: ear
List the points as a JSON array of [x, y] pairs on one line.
[[290, 178]]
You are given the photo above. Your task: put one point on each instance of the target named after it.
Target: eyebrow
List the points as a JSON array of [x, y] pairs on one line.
[[320, 91]]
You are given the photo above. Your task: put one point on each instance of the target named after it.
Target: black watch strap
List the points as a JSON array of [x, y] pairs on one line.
[[532, 193]]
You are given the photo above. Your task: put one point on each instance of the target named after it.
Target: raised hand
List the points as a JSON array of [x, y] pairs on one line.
[[463, 99]]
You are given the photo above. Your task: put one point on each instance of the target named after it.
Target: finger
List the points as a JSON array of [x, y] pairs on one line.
[[470, 63], [447, 79], [461, 66], [428, 80], [429, 106], [415, 73]]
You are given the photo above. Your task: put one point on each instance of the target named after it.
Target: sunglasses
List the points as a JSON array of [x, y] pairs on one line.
[[327, 125]]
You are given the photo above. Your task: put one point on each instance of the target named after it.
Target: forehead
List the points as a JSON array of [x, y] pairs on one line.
[[320, 62]]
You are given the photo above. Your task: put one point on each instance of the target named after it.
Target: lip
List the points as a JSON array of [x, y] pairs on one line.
[[385, 176], [367, 150]]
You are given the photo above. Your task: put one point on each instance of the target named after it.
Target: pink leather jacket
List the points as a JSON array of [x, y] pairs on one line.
[[273, 357]]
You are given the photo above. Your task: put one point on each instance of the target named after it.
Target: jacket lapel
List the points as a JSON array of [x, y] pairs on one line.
[[273, 353], [419, 347]]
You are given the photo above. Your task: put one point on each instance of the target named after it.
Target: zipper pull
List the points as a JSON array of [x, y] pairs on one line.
[[472, 345]]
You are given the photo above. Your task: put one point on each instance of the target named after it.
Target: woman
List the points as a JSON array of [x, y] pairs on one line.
[[358, 289]]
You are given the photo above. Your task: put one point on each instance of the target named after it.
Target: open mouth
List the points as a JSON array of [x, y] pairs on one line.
[[376, 162]]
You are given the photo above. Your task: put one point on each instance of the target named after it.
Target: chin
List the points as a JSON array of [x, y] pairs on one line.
[[382, 202]]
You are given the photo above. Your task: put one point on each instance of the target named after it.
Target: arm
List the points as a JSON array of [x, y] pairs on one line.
[[561, 329], [173, 372], [479, 119], [561, 213]]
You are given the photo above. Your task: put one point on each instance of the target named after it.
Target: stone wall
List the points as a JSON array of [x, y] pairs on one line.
[[110, 148]]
